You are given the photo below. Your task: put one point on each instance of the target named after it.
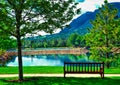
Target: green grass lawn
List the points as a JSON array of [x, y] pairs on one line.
[[55, 80], [46, 69], [61, 81]]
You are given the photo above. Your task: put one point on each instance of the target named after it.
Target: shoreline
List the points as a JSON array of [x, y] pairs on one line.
[[76, 51]]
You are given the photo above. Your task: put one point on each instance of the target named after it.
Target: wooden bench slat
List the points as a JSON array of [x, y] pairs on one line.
[[89, 67]]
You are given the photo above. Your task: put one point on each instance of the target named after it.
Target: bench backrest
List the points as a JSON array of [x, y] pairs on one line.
[[80, 67]]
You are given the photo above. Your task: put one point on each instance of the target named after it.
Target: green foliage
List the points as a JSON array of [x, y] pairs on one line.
[[75, 40], [20, 17], [7, 43], [46, 15], [104, 35], [2, 51]]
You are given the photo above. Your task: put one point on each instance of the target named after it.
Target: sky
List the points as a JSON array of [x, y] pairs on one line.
[[91, 5], [86, 5]]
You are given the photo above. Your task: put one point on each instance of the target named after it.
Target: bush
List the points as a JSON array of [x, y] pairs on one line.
[[2, 51]]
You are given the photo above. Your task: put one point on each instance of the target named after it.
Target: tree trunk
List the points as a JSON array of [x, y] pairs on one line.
[[18, 13], [107, 63], [107, 53], [19, 56]]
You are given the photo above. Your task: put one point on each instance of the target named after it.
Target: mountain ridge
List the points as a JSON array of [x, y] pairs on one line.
[[83, 22], [79, 25]]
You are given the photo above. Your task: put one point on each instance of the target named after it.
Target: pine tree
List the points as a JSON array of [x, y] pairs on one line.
[[103, 37]]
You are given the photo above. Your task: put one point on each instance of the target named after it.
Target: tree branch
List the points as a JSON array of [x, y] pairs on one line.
[[10, 2]]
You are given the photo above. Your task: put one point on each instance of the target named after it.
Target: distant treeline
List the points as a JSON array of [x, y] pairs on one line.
[[74, 40]]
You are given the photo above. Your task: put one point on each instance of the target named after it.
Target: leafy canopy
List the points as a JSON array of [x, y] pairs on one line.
[[21, 17], [104, 37], [32, 16]]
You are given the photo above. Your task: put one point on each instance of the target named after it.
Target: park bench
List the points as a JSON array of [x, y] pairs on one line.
[[87, 67]]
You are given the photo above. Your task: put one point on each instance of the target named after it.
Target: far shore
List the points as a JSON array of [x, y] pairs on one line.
[[49, 51]]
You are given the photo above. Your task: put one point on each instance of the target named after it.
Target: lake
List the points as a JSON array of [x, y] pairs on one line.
[[47, 60]]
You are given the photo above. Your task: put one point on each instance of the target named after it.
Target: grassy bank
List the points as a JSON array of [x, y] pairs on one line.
[[61, 81], [32, 69], [45, 69]]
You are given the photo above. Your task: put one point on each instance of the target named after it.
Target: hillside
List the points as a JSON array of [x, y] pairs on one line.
[[78, 25]]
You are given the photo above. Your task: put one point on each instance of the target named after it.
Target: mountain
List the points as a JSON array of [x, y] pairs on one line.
[[78, 25]]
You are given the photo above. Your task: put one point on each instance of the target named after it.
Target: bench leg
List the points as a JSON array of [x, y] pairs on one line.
[[102, 75]]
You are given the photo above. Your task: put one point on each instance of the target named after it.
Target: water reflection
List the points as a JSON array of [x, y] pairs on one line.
[[47, 60]]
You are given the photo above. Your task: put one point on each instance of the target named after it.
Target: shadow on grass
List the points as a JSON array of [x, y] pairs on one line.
[[61, 81]]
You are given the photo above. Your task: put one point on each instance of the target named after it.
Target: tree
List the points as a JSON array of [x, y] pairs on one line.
[[62, 42], [80, 41], [75, 40], [21, 17], [103, 36], [7, 43], [72, 40]]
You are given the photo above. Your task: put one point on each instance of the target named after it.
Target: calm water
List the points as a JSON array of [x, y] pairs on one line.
[[47, 60]]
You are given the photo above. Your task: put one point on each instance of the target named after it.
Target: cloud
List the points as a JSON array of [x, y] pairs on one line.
[[91, 5]]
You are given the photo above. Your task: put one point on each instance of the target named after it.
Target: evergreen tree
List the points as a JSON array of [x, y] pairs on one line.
[[103, 37], [75, 40]]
